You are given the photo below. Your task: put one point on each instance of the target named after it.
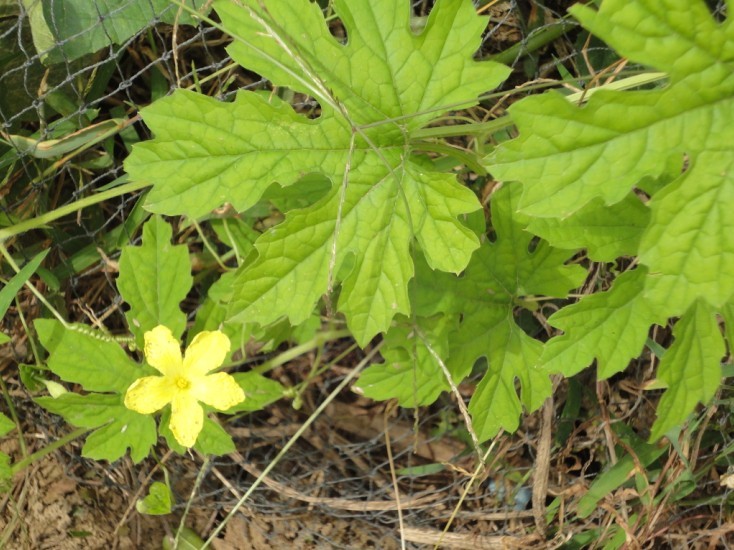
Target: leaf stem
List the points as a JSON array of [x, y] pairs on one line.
[[299, 350]]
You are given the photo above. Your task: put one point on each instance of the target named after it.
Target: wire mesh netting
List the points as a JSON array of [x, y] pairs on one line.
[[73, 76]]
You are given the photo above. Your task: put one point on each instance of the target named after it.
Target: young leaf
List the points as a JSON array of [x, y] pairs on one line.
[[375, 90], [118, 428], [154, 278], [157, 502], [88, 357], [691, 367], [610, 327], [511, 354]]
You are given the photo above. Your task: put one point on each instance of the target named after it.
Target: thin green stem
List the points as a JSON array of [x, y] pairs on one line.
[[299, 350], [48, 449], [535, 41], [461, 156], [476, 128], [197, 484], [47, 217], [209, 246], [501, 123], [31, 340]]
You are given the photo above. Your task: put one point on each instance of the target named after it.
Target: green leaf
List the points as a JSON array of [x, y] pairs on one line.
[[411, 374], [4, 338], [375, 90], [511, 354], [259, 392], [566, 155], [13, 286], [610, 327], [88, 357], [383, 71], [607, 232], [214, 440], [501, 274], [78, 30], [689, 246], [691, 367], [154, 278], [118, 428], [158, 501]]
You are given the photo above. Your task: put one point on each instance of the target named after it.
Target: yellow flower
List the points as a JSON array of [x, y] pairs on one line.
[[185, 381]]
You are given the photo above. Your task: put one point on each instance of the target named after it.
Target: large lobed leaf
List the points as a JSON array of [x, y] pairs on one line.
[[117, 427], [574, 160], [567, 156], [481, 307], [500, 274], [374, 90], [84, 356], [610, 327]]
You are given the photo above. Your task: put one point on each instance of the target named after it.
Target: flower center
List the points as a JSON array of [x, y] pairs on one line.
[[182, 383]]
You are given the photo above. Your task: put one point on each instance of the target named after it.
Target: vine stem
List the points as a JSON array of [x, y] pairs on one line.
[[47, 217]]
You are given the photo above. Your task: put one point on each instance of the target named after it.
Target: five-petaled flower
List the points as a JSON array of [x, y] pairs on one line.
[[185, 381]]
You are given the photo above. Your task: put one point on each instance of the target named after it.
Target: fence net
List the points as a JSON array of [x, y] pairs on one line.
[[73, 76]]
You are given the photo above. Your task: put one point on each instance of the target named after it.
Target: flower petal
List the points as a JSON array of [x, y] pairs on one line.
[[162, 350], [208, 350], [149, 394], [218, 390], [187, 419]]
